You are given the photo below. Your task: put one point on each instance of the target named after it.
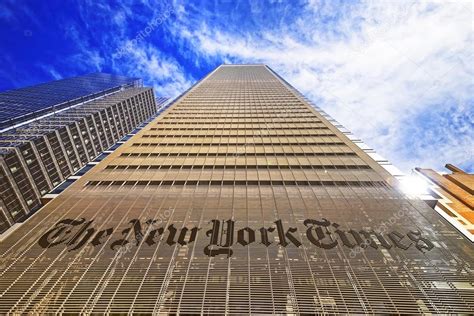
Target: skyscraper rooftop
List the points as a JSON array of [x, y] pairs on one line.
[[20, 105]]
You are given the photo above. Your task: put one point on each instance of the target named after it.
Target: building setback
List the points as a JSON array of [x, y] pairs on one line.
[[239, 198], [455, 197], [38, 155]]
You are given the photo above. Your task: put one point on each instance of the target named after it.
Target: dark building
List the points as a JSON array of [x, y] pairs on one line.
[[44, 148], [240, 198]]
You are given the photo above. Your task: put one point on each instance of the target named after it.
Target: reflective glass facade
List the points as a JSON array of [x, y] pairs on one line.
[[39, 156], [19, 105], [240, 198]]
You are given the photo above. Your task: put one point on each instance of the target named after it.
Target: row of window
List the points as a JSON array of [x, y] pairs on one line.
[[223, 107], [188, 121], [265, 127], [236, 183], [225, 91], [250, 135], [251, 105], [145, 155], [238, 116], [249, 111], [239, 144], [161, 167]]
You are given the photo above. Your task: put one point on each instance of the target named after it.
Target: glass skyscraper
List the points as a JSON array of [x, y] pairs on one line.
[[19, 105], [239, 198], [53, 129]]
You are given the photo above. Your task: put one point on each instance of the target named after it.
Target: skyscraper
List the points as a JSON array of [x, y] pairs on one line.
[[455, 193], [20, 105], [240, 198], [55, 128]]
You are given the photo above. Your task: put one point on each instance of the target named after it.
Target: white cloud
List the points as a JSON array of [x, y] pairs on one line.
[[122, 51], [145, 61], [386, 70], [51, 71], [86, 56]]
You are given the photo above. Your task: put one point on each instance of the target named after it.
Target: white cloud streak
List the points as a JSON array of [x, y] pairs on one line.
[[147, 62], [123, 51]]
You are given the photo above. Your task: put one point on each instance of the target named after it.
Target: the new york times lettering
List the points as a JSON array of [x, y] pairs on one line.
[[223, 236]]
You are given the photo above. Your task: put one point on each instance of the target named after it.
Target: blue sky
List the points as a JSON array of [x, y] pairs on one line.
[[398, 74]]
